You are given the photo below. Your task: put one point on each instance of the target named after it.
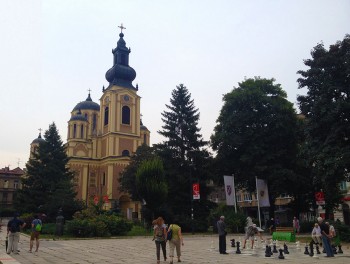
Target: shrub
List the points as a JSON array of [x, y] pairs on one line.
[[235, 222]]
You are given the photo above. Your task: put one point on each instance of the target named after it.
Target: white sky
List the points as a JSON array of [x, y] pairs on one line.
[[52, 52]]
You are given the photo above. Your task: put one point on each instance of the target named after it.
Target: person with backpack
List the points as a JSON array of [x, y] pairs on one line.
[[159, 236], [176, 241], [13, 231], [36, 229]]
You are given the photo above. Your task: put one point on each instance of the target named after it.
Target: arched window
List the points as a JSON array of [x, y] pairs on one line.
[[125, 152], [126, 115], [106, 115], [94, 121], [82, 131], [74, 130]]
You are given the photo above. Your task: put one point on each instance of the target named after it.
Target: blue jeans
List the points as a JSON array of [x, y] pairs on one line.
[[327, 246]]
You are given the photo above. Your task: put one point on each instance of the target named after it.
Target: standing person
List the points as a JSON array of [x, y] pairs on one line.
[[36, 229], [13, 229], [175, 242], [325, 237], [222, 235], [159, 236], [271, 225], [251, 231], [296, 225]]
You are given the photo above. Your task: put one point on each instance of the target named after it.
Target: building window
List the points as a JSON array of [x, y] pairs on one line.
[[125, 153], [4, 197], [94, 121], [82, 131], [74, 130], [342, 186], [144, 139], [126, 115], [247, 197], [16, 184], [239, 198], [106, 116], [6, 184], [92, 180]]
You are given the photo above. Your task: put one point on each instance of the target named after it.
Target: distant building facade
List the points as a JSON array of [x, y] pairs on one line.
[[10, 182]]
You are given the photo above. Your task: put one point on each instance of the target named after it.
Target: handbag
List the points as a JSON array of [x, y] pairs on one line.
[[169, 234]]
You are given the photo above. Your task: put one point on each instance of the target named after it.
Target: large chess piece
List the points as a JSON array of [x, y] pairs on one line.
[[285, 249], [306, 252], [274, 249], [318, 249], [281, 254], [238, 251], [311, 254], [270, 251], [232, 243], [334, 249], [267, 252], [340, 251]]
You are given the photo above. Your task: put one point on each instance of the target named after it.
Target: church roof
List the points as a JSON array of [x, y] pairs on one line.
[[88, 104], [78, 117], [38, 139], [121, 73]]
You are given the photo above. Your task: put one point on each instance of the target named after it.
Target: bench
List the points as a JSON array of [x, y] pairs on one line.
[[284, 234]]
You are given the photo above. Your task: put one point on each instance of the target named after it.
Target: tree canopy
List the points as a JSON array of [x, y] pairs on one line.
[[256, 135], [48, 183], [326, 107]]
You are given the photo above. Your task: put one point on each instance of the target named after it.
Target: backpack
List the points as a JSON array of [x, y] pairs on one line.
[[38, 227], [159, 233], [170, 233]]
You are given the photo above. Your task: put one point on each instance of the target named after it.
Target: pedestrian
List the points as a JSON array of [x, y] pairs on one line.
[[159, 236], [36, 229], [249, 222], [316, 234], [176, 241], [271, 225], [222, 235], [325, 237], [13, 231], [296, 225], [251, 231]]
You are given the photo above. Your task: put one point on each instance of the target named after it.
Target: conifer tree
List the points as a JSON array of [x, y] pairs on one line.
[[48, 183]]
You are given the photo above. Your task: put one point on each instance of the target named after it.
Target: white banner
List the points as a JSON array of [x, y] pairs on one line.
[[263, 193], [229, 190]]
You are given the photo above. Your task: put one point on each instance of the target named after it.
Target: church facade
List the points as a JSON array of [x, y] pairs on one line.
[[102, 136]]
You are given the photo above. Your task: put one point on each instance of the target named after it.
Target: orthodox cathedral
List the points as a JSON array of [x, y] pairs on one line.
[[102, 136]]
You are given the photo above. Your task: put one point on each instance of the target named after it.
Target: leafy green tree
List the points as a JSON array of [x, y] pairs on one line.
[[128, 175], [326, 107], [256, 135], [184, 154], [48, 183], [151, 183]]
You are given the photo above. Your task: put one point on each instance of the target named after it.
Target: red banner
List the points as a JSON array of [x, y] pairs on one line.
[[195, 191], [319, 196]]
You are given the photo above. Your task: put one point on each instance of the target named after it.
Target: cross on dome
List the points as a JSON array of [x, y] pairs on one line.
[[121, 28]]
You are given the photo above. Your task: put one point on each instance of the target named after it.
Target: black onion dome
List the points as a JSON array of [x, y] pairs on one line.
[[38, 139], [88, 104], [121, 73], [142, 126]]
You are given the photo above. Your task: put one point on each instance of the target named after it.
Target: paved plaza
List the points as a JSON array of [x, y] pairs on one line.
[[137, 250]]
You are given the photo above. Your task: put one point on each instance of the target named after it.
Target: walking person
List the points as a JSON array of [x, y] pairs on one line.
[[36, 229], [296, 225], [13, 232], [160, 237], [251, 231], [176, 241], [222, 235], [325, 237]]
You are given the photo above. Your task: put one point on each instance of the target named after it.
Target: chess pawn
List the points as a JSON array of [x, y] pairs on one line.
[[270, 251], [232, 243], [274, 249], [238, 251], [267, 252], [306, 252], [285, 249], [281, 254]]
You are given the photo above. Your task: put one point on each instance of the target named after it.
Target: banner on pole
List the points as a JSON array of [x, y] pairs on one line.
[[195, 191], [263, 193], [229, 190]]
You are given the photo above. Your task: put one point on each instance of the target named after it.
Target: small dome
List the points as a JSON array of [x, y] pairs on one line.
[[88, 104], [38, 140], [143, 127], [78, 117]]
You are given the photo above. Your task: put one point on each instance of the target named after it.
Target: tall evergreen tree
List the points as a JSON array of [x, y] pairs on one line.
[[326, 107], [48, 183], [183, 152]]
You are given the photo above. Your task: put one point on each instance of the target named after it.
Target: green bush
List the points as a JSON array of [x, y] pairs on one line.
[[342, 231], [235, 222]]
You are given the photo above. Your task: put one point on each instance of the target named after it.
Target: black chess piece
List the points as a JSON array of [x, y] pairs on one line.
[[318, 249], [306, 252], [274, 249], [281, 254], [340, 251], [232, 242], [267, 252], [285, 249], [334, 249], [324, 250], [270, 251], [238, 251], [311, 254]]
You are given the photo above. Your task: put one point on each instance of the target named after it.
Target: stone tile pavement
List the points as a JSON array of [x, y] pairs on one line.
[[137, 250]]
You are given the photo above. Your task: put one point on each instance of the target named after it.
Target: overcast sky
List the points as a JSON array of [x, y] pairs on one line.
[[52, 52]]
